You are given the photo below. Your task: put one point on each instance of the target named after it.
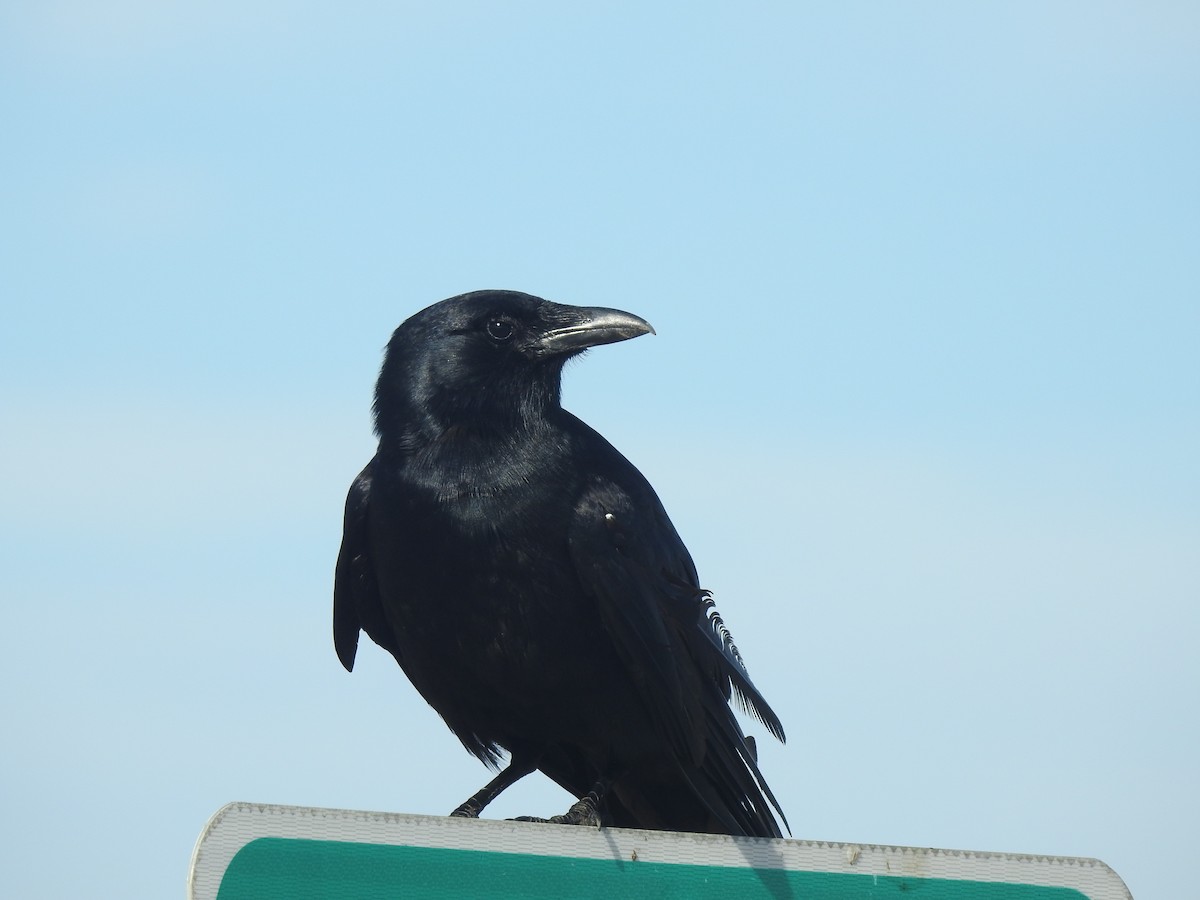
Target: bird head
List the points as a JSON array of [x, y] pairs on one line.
[[486, 358]]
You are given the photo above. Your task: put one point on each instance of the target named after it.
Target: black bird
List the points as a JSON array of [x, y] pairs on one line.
[[526, 578]]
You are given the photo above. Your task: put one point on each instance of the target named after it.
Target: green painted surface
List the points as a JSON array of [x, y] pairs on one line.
[[277, 868]]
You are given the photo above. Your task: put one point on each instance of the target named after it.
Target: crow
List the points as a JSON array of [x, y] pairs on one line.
[[526, 578]]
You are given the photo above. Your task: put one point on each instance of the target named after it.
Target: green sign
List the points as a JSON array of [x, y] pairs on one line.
[[267, 852]]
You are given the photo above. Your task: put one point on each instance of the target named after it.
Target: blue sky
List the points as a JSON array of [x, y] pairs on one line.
[[924, 399]]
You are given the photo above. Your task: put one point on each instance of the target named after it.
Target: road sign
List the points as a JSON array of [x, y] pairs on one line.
[[266, 852]]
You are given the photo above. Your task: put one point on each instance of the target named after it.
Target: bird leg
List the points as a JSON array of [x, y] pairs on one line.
[[585, 811], [513, 772]]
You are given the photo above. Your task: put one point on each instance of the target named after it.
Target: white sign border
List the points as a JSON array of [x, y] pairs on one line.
[[237, 824]]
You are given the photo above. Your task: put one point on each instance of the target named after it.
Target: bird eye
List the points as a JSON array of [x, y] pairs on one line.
[[499, 329]]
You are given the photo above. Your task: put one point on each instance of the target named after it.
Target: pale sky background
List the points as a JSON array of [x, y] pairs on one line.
[[924, 400]]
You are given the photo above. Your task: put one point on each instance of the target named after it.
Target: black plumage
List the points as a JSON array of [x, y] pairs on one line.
[[527, 579]]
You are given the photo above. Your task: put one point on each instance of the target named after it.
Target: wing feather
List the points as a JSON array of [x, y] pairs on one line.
[[678, 649], [357, 605]]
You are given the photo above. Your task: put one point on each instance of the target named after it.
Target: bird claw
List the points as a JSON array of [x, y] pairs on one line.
[[581, 813]]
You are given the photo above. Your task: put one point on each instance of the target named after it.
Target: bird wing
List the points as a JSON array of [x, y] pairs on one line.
[[357, 605], [647, 586], [674, 645], [631, 593]]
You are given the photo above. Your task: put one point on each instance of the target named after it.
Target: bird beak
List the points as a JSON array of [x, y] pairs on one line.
[[574, 328]]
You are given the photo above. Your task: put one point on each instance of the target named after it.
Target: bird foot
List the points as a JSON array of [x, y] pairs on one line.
[[468, 810], [581, 813]]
